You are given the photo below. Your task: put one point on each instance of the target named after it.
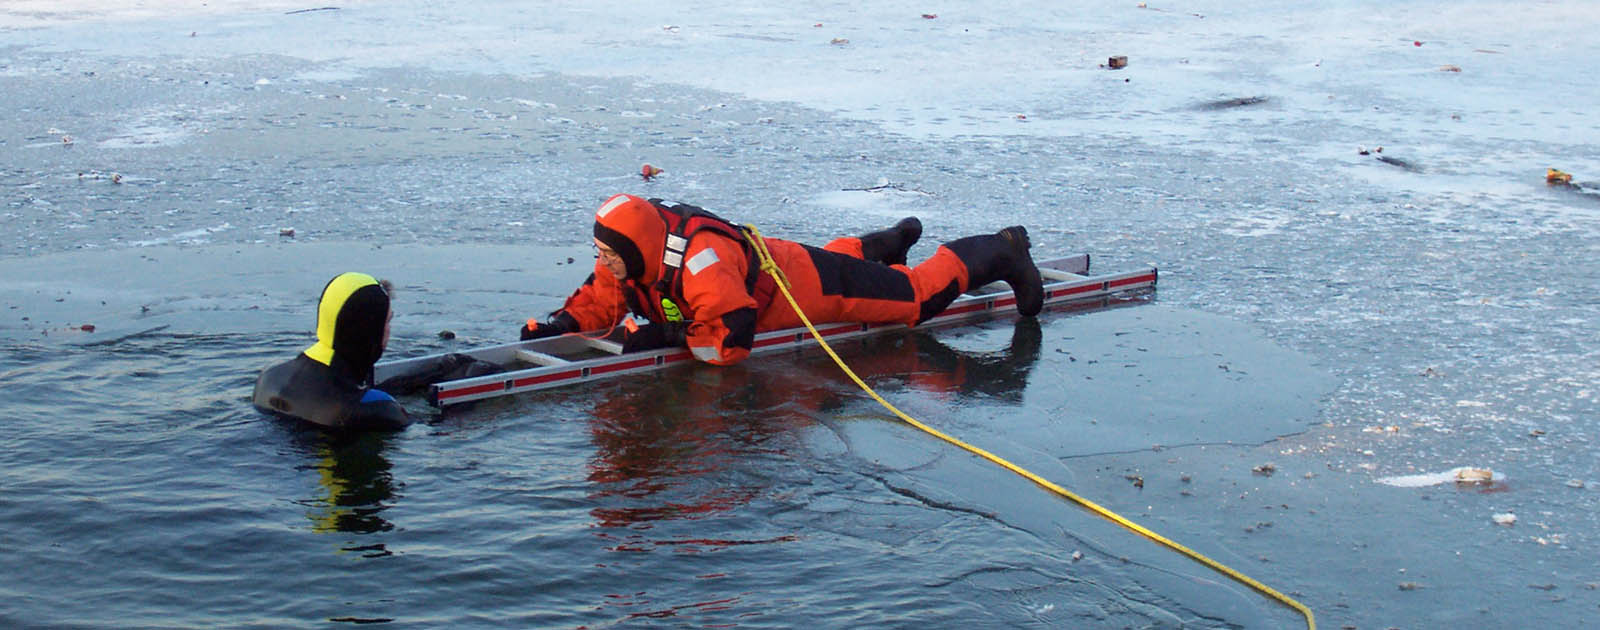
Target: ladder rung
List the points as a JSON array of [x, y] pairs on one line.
[[539, 358], [606, 345]]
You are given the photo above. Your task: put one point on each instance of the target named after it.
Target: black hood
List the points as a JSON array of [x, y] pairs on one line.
[[350, 321]]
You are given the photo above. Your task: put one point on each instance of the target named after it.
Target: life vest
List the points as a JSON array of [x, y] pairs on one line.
[[684, 221]]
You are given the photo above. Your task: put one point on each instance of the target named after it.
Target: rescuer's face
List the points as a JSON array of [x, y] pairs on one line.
[[611, 260]]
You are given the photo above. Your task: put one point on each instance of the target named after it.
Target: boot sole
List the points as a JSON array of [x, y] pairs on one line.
[[1026, 283]]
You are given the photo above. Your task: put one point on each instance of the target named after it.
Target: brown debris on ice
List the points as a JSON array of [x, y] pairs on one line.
[[1474, 475], [1463, 476]]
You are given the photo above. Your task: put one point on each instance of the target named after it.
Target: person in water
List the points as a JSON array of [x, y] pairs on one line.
[[330, 383], [697, 279]]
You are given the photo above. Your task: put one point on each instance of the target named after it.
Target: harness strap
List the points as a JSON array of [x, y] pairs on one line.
[[683, 222]]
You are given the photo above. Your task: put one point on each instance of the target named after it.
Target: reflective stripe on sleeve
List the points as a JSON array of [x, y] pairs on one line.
[[700, 261]]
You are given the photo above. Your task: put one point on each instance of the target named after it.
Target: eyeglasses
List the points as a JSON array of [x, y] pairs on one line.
[[606, 253]]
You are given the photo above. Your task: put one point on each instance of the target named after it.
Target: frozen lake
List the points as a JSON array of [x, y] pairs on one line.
[[1366, 284]]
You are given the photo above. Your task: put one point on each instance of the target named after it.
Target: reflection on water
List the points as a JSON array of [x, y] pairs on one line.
[[655, 441], [711, 450], [356, 483], [1001, 375]]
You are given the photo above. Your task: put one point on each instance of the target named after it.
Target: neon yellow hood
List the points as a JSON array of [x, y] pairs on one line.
[[350, 321]]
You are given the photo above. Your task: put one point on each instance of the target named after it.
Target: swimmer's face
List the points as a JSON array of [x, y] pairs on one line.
[[611, 260]]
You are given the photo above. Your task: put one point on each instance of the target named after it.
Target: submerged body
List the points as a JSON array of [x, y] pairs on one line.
[[304, 389], [330, 383]]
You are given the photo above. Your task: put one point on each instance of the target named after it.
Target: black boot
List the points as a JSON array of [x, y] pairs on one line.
[[1003, 256], [890, 246]]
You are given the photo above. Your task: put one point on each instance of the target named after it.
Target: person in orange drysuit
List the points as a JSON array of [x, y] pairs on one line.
[[697, 280]]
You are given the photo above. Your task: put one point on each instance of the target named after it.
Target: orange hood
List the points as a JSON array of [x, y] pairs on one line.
[[634, 228]]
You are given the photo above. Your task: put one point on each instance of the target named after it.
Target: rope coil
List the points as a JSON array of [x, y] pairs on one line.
[[768, 265]]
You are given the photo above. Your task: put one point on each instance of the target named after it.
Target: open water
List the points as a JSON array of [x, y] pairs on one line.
[[1326, 320]]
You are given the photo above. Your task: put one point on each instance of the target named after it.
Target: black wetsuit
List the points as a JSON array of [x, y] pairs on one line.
[[306, 390], [330, 384]]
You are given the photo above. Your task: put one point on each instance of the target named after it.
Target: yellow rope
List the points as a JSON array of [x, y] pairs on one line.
[[768, 265]]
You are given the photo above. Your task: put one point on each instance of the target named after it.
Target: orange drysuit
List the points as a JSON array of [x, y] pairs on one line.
[[688, 269]]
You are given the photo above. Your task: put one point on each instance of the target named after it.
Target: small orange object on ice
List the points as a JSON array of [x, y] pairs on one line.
[[648, 172], [1554, 176]]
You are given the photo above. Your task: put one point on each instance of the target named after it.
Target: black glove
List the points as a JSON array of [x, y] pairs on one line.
[[559, 323], [655, 335], [449, 367]]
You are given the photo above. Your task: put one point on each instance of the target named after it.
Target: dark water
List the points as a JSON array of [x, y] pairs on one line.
[[1336, 317], [144, 492]]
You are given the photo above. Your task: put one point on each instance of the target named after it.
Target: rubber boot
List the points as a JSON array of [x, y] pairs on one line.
[[1003, 256], [890, 246]]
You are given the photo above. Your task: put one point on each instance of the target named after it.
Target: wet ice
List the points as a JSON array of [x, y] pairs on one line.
[[1462, 281]]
